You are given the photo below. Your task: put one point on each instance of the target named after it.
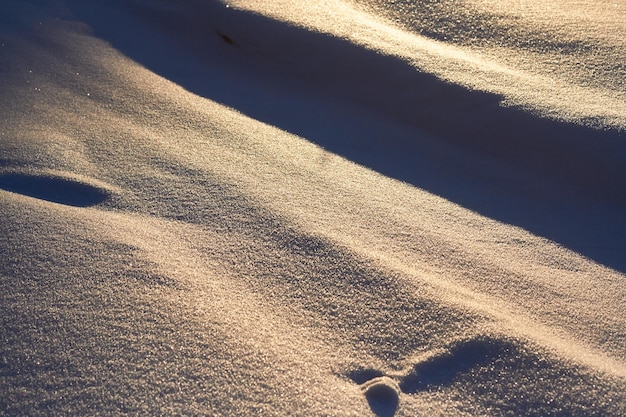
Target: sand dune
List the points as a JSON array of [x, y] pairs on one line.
[[300, 208]]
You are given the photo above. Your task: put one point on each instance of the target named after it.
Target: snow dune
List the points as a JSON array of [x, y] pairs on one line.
[[299, 208]]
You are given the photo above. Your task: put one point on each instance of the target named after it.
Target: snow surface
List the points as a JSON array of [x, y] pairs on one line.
[[312, 208]]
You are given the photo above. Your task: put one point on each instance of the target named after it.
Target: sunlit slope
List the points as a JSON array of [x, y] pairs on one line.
[[563, 59], [221, 265], [578, 41]]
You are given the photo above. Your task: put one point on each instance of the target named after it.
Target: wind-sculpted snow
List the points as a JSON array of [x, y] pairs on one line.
[[302, 208]]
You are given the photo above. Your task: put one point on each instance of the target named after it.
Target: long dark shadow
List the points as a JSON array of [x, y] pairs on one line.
[[563, 181]]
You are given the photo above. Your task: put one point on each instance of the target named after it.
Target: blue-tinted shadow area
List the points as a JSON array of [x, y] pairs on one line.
[[383, 401], [442, 370], [54, 189]]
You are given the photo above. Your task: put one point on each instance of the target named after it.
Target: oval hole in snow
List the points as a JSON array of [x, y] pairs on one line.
[[54, 189], [382, 394]]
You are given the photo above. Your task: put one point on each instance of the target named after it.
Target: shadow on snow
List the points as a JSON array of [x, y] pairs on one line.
[[563, 181]]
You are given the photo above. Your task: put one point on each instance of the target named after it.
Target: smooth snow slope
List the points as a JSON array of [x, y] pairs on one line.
[[201, 215]]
